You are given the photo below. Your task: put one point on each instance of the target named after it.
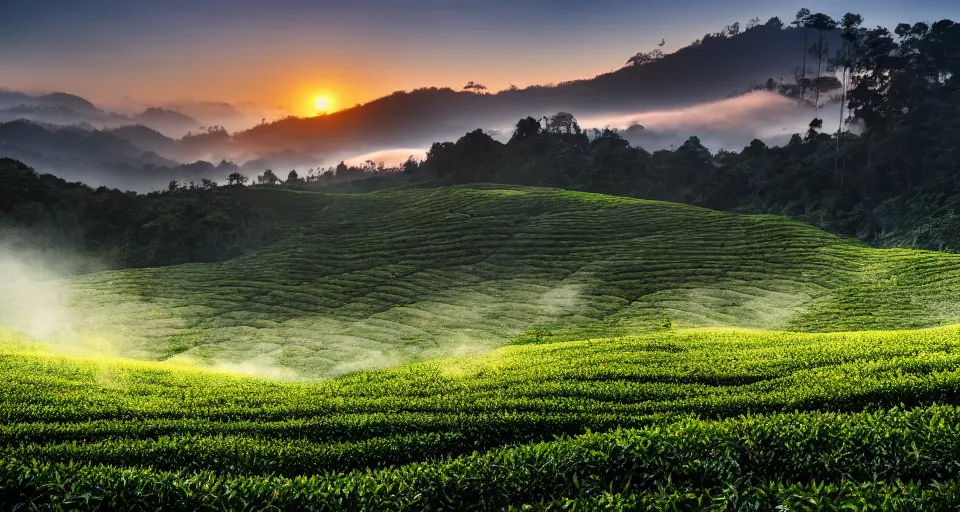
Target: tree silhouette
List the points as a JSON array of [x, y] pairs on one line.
[[526, 127], [237, 179], [851, 35], [475, 87], [801, 23], [642, 59], [563, 122], [820, 22], [268, 178]]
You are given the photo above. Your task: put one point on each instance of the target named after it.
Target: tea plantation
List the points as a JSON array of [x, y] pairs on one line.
[[497, 349]]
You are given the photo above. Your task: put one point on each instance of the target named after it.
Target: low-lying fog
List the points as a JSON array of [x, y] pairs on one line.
[[143, 161]]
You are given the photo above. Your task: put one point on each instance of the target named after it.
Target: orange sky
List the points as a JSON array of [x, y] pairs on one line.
[[283, 54]]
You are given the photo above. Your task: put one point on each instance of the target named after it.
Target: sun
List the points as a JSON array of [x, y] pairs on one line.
[[321, 103]]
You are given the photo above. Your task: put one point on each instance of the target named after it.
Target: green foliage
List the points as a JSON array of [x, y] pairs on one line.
[[361, 281], [707, 414], [183, 224], [894, 185], [606, 400]]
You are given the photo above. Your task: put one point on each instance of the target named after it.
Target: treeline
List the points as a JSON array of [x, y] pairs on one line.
[[896, 182], [126, 229]]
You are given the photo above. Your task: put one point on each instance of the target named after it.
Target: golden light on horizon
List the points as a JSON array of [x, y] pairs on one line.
[[321, 104]]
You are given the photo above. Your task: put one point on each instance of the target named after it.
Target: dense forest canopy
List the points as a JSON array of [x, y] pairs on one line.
[[126, 229], [894, 183], [895, 180]]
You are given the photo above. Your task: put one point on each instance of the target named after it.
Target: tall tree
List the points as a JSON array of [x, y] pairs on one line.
[[801, 23], [850, 35], [820, 22]]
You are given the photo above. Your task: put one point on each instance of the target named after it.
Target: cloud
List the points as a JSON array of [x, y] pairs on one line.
[[728, 124], [389, 157]]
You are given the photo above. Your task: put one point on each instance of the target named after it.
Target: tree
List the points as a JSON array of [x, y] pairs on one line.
[[411, 165], [563, 122], [526, 127], [642, 59], [293, 178], [774, 22], [851, 35], [475, 87], [872, 74], [237, 179], [268, 178], [820, 22], [801, 23], [465, 160]]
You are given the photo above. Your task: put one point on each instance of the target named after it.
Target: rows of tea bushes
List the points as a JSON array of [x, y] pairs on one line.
[[60, 409], [364, 281], [893, 459]]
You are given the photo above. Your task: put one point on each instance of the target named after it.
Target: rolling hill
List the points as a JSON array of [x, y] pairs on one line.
[[562, 350], [362, 281]]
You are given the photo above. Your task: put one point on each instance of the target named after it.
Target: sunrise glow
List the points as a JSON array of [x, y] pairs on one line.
[[321, 104]]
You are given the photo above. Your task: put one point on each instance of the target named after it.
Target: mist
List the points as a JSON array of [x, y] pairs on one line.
[[50, 309], [143, 145], [390, 157], [37, 301], [729, 124]]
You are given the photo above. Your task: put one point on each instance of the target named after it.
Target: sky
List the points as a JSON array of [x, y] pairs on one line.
[[283, 54]]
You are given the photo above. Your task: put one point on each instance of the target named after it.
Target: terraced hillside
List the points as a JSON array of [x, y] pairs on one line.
[[371, 280], [717, 419], [651, 356]]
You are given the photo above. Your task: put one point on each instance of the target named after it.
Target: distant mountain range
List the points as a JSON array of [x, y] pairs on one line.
[[692, 75], [155, 138], [67, 109]]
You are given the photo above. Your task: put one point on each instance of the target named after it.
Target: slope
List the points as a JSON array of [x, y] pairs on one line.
[[707, 72], [733, 417], [371, 280]]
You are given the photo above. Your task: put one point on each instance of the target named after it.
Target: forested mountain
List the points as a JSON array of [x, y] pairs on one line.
[[894, 182], [707, 70]]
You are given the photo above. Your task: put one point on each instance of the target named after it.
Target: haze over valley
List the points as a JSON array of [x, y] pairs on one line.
[[724, 99]]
